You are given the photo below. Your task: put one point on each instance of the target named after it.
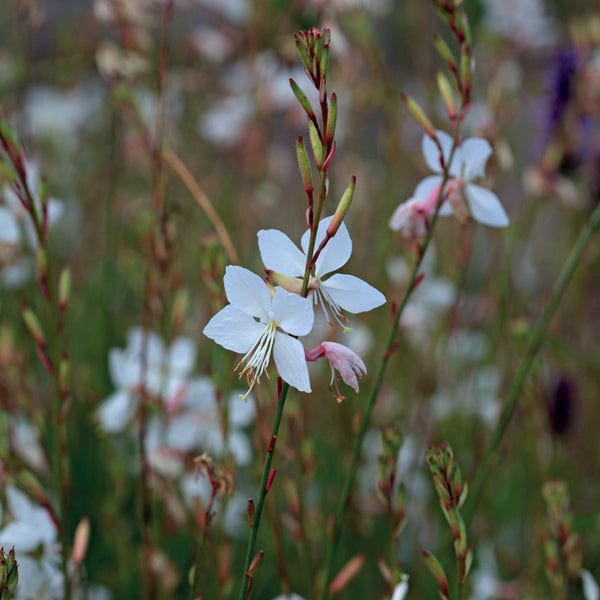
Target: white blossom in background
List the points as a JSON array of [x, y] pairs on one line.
[[25, 442], [336, 293], [165, 375], [260, 321], [401, 589], [485, 575], [15, 223], [523, 21], [34, 536], [468, 164], [591, 591], [61, 115], [460, 195], [225, 121]]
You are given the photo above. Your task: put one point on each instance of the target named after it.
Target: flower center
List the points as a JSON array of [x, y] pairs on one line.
[[257, 358]]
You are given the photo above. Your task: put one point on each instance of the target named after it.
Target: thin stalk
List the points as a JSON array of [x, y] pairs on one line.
[[373, 392], [246, 577], [535, 342]]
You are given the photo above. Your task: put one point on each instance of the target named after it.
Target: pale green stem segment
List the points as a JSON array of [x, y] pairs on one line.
[[535, 343], [336, 531]]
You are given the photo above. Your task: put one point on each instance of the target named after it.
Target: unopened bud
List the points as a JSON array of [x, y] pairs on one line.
[[418, 114], [438, 572], [290, 284], [250, 512], [445, 52], [34, 327], [315, 142], [64, 289], [342, 208], [63, 376], [42, 264], [270, 479], [81, 541], [304, 165], [302, 99], [255, 562], [465, 74], [447, 95], [331, 119]]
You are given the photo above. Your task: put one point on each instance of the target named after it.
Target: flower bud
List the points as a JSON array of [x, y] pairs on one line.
[[418, 114], [342, 208]]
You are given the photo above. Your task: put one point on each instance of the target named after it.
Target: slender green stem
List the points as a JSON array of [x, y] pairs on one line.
[[535, 342], [373, 392], [246, 577]]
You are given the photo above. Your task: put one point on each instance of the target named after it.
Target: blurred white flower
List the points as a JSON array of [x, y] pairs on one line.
[[14, 219], [34, 537], [468, 163], [25, 439], [61, 115], [401, 589], [259, 323], [145, 361], [224, 122], [591, 591], [523, 21]]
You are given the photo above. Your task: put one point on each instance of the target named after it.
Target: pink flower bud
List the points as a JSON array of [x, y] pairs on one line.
[[349, 365]]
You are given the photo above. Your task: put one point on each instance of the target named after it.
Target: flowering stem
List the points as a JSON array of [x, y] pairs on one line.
[[535, 342], [344, 498], [245, 588]]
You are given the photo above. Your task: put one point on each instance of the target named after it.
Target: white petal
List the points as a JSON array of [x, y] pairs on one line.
[[280, 254], [337, 251], [475, 152], [241, 412], [332, 257], [182, 356], [353, 294], [183, 433], [233, 329], [56, 210], [485, 206], [432, 153], [116, 411], [32, 580], [591, 591], [288, 353], [200, 395], [9, 227], [427, 187], [400, 590], [239, 446], [247, 291], [292, 313]]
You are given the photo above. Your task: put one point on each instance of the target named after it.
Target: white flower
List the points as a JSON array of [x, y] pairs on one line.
[[257, 323], [591, 591], [335, 292], [401, 589], [468, 163], [165, 375], [13, 215], [32, 529], [412, 217]]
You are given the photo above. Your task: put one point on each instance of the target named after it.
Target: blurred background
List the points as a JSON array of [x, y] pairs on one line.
[[81, 82]]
